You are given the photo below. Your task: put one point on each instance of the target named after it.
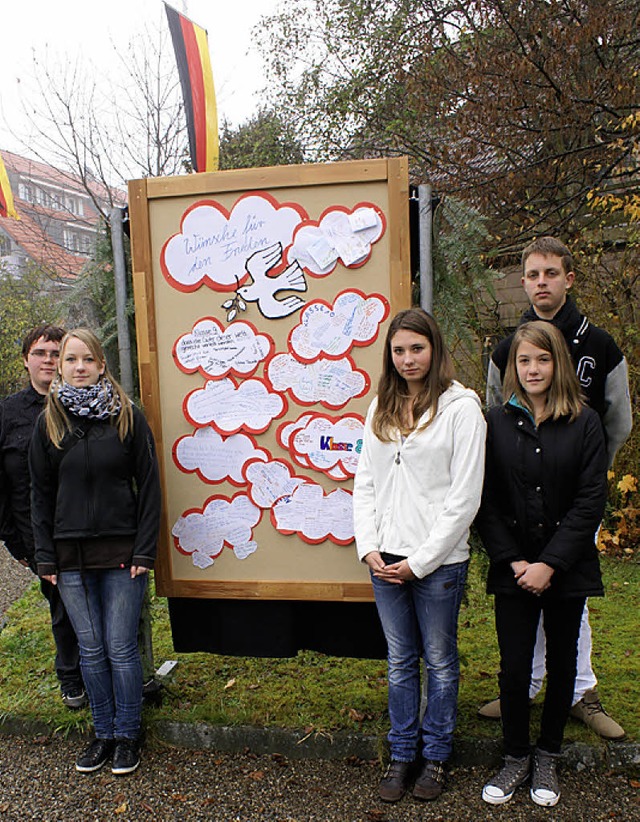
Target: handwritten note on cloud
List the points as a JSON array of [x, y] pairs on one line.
[[249, 406], [338, 235], [214, 244], [203, 533], [217, 352], [330, 382], [325, 444], [315, 516], [216, 459], [354, 319], [268, 481]]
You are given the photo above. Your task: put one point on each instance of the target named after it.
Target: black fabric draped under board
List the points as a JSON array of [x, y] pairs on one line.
[[276, 628]]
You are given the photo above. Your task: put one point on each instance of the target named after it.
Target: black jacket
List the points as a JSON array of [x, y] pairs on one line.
[[18, 415], [600, 366], [95, 487], [544, 494]]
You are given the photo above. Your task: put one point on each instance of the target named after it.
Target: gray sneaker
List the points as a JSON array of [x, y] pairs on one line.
[[502, 787], [545, 789]]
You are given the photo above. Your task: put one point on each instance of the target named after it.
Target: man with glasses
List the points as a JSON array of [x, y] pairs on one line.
[[18, 415]]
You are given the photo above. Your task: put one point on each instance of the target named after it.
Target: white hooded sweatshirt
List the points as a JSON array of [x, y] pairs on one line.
[[417, 498]]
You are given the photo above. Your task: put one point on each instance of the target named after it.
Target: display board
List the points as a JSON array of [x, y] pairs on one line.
[[262, 298]]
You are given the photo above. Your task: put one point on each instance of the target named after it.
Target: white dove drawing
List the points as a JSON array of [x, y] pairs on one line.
[[264, 288]]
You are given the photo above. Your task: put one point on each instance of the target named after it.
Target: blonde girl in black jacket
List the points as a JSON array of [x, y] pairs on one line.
[[95, 514], [543, 499]]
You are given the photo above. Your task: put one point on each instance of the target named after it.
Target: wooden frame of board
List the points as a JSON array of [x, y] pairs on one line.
[[285, 565]]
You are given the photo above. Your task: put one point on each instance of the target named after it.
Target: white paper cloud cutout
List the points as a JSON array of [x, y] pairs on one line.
[[214, 458], [287, 429], [330, 382], [326, 445], [332, 330], [216, 352], [315, 516], [221, 521], [249, 406], [213, 245], [268, 481], [338, 236]]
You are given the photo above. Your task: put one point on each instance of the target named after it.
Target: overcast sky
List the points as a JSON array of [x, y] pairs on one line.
[[60, 30]]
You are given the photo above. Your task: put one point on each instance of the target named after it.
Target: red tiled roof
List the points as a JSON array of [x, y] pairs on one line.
[[37, 245], [38, 171]]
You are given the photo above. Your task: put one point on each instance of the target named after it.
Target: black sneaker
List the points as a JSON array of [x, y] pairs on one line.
[[126, 756], [74, 699], [95, 755]]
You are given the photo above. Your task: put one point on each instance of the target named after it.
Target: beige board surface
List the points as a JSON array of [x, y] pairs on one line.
[[283, 566]]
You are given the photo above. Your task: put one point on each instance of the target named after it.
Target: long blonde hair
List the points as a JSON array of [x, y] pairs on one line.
[[393, 391], [56, 418], [565, 397]]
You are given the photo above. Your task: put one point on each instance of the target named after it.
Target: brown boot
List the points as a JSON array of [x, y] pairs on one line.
[[590, 711], [393, 784], [430, 784]]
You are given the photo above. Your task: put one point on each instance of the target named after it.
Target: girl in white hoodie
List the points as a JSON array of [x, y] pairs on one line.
[[416, 492]]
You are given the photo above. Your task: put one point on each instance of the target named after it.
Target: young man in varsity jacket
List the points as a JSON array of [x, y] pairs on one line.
[[548, 274]]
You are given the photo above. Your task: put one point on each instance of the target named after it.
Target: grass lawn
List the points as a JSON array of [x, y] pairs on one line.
[[316, 692]]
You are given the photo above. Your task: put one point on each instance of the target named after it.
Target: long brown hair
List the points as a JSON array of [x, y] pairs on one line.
[[565, 397], [393, 391], [56, 418]]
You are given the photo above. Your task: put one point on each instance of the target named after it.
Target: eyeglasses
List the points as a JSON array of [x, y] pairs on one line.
[[42, 354]]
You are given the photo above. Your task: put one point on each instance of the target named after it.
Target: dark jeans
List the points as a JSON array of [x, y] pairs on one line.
[[67, 652], [517, 620], [104, 607]]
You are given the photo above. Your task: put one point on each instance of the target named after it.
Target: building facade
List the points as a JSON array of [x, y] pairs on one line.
[[59, 219]]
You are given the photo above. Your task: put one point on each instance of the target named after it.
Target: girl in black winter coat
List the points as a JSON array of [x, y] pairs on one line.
[[543, 499], [95, 508]]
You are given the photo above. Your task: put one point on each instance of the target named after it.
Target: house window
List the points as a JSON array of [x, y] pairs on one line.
[[43, 197], [77, 242], [5, 246], [26, 192], [74, 205]]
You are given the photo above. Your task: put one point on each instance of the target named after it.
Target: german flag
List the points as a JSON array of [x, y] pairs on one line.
[[194, 68], [7, 208]]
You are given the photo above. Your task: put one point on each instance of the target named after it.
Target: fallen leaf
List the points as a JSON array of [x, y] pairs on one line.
[[256, 775], [229, 684], [121, 808], [628, 484]]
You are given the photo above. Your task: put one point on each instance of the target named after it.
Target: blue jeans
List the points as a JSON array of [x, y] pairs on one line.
[[104, 609], [420, 619]]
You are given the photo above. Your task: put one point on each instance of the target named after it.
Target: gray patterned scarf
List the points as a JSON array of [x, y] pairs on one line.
[[97, 402]]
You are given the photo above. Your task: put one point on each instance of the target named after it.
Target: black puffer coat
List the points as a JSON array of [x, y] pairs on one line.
[[544, 494]]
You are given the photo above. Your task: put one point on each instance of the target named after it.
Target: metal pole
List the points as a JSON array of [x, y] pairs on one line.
[[120, 279], [425, 228]]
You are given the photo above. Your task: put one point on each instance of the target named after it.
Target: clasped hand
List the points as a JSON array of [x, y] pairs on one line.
[[534, 577], [396, 572]]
